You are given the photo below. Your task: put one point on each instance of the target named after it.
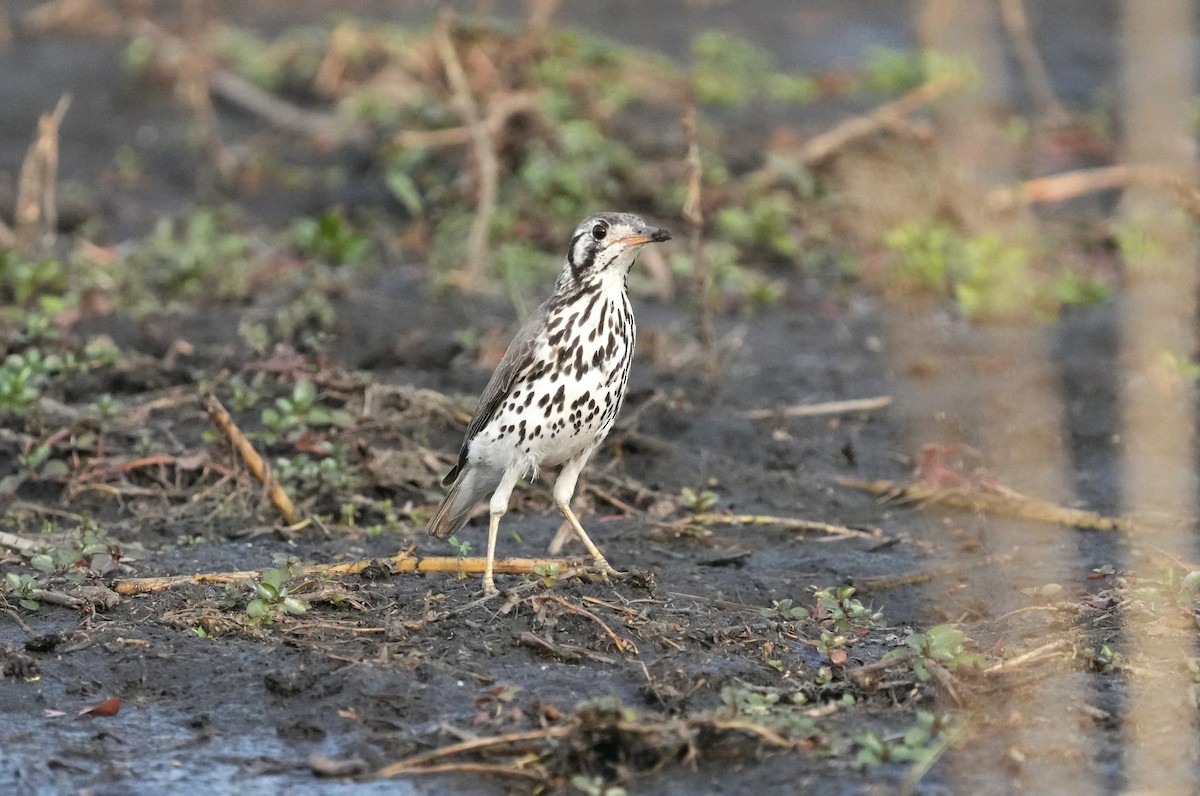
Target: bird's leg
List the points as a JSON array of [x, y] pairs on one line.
[[564, 490], [489, 583], [497, 507]]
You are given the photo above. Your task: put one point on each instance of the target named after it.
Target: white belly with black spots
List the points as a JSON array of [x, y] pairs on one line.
[[567, 401]]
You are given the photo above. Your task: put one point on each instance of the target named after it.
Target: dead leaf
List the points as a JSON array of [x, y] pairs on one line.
[[109, 707]]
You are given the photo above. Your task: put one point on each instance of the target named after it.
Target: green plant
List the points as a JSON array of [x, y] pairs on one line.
[[890, 71], [730, 71], [462, 548], [301, 411], [548, 573], [841, 608], [748, 702], [784, 609], [923, 743], [941, 644], [698, 499], [26, 588], [308, 475], [330, 239], [1106, 659], [188, 259], [271, 597]]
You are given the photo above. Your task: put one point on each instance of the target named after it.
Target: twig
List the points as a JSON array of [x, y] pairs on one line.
[[236, 90], [702, 280], [763, 732], [485, 154], [884, 582], [622, 645], [1004, 503], [1044, 651], [258, 468], [1060, 187], [416, 762], [790, 523], [816, 410], [500, 110], [1017, 25], [18, 543], [403, 563], [821, 147]]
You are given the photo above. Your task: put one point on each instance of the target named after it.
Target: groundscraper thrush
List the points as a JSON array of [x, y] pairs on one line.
[[556, 393]]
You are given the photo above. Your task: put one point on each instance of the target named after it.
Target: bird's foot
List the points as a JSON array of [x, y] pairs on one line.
[[607, 571]]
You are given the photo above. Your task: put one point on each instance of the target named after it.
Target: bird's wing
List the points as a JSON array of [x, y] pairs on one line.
[[517, 360]]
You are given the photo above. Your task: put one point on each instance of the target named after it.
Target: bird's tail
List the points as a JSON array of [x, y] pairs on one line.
[[458, 504]]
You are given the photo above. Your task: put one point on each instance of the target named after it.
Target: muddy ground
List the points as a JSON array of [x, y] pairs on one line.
[[693, 674]]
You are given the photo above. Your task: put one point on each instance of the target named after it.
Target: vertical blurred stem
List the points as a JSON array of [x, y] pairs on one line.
[[1158, 317], [485, 154], [1014, 414], [693, 213]]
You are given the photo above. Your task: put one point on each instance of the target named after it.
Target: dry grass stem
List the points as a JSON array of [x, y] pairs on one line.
[[36, 215], [485, 154], [790, 523], [702, 278], [817, 410]]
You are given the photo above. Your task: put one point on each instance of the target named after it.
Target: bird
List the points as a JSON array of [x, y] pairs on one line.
[[556, 393]]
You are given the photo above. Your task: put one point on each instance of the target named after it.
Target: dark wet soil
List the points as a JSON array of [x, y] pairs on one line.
[[394, 666]]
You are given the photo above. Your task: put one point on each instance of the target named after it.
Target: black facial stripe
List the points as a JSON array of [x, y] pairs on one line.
[[571, 250], [589, 259]]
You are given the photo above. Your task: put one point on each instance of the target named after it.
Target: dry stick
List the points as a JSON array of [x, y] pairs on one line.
[[823, 146], [817, 410], [622, 645], [500, 110], [36, 215], [413, 764], [702, 280], [254, 462], [790, 523], [884, 582], [485, 154], [1017, 25], [1060, 187], [1006, 504], [403, 563], [18, 543], [1036, 654]]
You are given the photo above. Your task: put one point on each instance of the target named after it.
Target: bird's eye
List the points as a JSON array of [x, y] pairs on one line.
[[599, 231]]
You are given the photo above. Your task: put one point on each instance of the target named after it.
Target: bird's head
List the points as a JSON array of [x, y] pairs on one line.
[[605, 245]]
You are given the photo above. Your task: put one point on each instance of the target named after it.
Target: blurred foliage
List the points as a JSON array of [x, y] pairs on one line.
[[987, 276]]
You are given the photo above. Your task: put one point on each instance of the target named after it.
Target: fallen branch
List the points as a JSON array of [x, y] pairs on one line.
[[258, 468], [1003, 503], [821, 147], [1068, 185], [817, 410], [404, 563], [790, 523]]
